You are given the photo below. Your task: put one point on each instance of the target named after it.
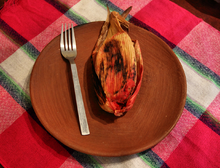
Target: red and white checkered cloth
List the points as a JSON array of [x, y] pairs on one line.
[[27, 26]]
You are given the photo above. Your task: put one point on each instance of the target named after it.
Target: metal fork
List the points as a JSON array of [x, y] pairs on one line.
[[68, 50]]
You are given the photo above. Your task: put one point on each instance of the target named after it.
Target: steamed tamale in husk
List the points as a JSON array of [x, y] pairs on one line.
[[118, 65]]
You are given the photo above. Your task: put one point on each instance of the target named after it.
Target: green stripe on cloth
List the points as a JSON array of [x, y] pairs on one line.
[[210, 121], [151, 158], [30, 50], [14, 90], [97, 165], [112, 7], [197, 66], [11, 34], [75, 17], [193, 107], [19, 40], [86, 160], [209, 115]]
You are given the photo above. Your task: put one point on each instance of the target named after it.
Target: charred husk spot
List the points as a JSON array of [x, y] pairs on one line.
[[112, 49]]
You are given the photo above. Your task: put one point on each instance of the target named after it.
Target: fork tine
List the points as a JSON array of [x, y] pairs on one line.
[[65, 38], [73, 39], [70, 48], [61, 39]]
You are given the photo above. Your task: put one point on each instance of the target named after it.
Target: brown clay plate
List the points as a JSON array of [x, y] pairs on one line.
[[157, 108]]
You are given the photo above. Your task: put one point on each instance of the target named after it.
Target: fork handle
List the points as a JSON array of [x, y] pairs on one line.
[[79, 102]]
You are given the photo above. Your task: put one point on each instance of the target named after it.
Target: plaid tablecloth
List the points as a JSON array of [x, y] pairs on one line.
[[27, 26]]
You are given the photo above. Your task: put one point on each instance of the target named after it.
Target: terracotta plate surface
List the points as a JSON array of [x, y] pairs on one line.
[[157, 108]]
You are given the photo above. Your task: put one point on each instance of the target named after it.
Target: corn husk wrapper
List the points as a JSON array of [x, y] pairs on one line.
[[118, 65]]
